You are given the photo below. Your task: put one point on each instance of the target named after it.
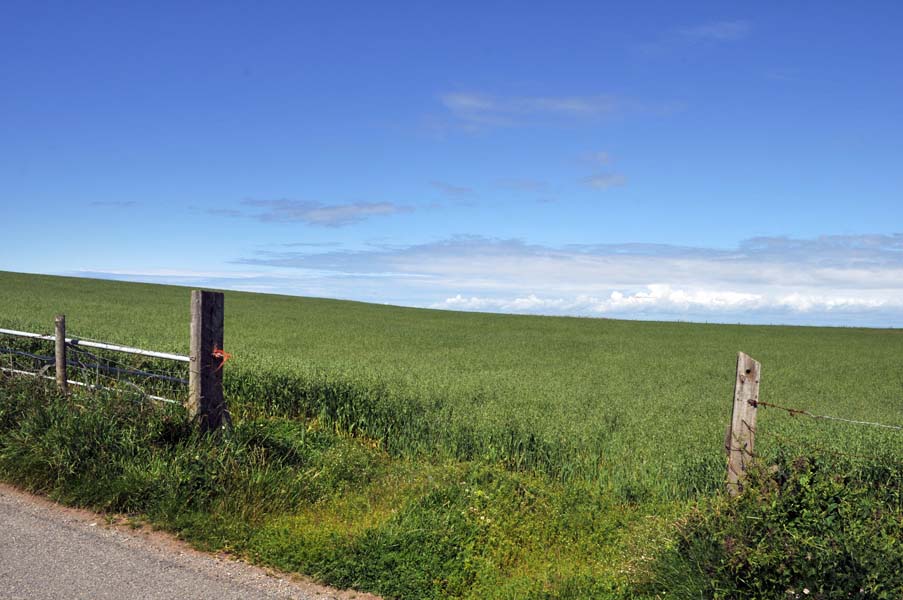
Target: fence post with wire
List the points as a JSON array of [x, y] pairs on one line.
[[60, 353], [204, 399], [741, 434], [739, 442], [206, 404]]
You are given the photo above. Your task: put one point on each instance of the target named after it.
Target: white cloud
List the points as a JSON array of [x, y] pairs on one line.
[[833, 279], [663, 299]]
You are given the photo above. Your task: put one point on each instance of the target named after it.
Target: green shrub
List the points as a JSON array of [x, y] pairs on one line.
[[804, 528]]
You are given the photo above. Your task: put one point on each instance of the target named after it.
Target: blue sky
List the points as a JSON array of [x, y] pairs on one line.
[[711, 162]]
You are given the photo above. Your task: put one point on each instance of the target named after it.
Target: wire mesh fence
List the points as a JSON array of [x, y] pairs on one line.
[[146, 375]]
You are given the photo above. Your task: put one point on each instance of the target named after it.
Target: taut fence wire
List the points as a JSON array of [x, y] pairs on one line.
[[739, 439], [798, 411]]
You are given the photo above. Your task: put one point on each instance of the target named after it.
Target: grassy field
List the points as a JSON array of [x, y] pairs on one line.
[[630, 416]]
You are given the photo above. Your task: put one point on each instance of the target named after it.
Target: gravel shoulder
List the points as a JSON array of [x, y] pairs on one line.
[[50, 552]]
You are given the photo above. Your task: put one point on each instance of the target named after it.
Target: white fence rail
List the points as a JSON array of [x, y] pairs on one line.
[[101, 345]]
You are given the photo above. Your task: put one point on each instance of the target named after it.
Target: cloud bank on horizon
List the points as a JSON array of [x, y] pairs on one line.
[[830, 280]]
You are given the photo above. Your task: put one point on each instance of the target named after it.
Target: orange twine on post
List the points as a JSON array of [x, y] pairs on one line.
[[222, 355]]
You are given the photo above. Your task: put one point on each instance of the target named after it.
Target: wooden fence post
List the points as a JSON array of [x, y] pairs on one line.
[[206, 404], [741, 436], [60, 329]]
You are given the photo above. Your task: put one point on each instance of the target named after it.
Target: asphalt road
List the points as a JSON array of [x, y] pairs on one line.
[[52, 552]]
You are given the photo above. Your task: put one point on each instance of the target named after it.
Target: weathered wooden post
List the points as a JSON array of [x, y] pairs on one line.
[[741, 436], [62, 381], [206, 404]]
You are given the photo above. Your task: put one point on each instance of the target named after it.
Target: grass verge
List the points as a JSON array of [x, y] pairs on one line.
[[300, 497]]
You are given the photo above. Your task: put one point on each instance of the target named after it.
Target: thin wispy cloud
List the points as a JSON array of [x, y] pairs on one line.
[[114, 204], [604, 181], [605, 178], [246, 281], [717, 31], [310, 244], [477, 108], [311, 213], [785, 74], [452, 190], [316, 213], [701, 35], [523, 185], [223, 212], [598, 159]]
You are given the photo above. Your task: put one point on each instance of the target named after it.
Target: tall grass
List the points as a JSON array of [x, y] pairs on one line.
[[636, 408]]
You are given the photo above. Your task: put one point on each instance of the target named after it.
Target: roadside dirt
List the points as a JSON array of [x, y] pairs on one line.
[[24, 513]]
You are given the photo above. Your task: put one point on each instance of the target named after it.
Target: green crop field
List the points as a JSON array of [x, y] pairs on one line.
[[631, 414]]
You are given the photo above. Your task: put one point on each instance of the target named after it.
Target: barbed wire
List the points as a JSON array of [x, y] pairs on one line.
[[799, 411]]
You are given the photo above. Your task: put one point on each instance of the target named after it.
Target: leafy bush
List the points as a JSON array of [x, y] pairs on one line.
[[804, 528]]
